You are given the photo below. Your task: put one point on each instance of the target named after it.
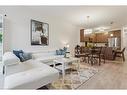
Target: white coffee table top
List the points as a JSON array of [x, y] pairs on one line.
[[66, 60]]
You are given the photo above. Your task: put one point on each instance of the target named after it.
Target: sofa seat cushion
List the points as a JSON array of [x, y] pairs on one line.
[[31, 79], [23, 66]]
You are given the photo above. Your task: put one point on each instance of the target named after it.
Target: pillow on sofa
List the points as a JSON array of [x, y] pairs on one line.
[[61, 51], [58, 52], [17, 52], [25, 56], [64, 51]]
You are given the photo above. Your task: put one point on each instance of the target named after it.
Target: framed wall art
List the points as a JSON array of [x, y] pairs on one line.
[[39, 33]]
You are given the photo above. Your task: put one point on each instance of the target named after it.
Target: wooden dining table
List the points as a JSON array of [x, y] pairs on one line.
[[94, 52]]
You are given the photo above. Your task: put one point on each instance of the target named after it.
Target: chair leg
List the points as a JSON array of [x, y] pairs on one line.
[[88, 59], [123, 56], [91, 60], [104, 59], [3, 70], [114, 57], [99, 61]]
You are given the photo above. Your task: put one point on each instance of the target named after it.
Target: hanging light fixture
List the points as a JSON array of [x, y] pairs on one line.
[[88, 30]]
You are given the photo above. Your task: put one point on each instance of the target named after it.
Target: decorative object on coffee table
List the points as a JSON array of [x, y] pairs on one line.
[[67, 54]]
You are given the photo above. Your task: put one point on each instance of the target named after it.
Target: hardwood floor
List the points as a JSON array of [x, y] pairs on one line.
[[111, 75]]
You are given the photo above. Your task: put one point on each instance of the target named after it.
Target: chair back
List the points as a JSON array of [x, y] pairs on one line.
[[103, 50], [82, 49], [96, 50], [109, 53], [123, 50], [77, 50], [86, 50]]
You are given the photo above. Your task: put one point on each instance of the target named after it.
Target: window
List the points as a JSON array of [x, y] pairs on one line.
[[1, 37]]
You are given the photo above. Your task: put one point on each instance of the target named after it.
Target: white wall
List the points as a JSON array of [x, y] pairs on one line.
[[17, 31]]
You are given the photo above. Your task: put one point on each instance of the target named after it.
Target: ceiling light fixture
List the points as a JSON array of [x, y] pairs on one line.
[[88, 30], [102, 29]]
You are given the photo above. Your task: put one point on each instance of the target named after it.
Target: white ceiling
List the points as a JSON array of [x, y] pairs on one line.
[[77, 15]]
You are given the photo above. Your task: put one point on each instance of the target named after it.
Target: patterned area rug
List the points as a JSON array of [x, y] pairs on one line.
[[73, 78]]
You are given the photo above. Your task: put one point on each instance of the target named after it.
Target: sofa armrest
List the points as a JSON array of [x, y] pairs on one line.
[[10, 59]]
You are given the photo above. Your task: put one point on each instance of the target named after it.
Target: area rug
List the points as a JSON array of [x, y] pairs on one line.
[[73, 78]]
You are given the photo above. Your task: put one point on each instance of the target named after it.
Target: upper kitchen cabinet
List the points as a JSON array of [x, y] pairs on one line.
[[93, 37], [115, 33], [84, 37], [101, 37], [98, 37]]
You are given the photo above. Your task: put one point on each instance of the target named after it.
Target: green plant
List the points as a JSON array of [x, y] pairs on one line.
[[1, 36]]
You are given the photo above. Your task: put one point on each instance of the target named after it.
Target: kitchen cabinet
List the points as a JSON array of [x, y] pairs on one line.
[[101, 38], [98, 37], [83, 37]]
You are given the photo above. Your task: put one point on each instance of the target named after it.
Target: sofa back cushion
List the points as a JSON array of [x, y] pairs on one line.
[[43, 54]]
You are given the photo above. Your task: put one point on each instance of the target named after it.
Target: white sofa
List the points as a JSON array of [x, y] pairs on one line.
[[30, 74], [46, 56], [10, 59]]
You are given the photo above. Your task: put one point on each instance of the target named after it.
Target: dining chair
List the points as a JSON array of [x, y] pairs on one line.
[[95, 56], [80, 52], [102, 55], [120, 53]]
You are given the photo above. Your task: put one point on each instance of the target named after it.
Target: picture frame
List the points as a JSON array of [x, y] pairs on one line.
[[39, 33]]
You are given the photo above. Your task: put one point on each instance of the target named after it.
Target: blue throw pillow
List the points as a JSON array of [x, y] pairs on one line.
[[25, 56], [17, 52], [22, 59], [61, 51], [64, 50], [58, 52]]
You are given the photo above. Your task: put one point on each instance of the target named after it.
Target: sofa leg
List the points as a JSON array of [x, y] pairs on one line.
[[3, 70]]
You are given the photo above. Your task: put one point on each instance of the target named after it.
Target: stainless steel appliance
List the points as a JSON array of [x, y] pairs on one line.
[[114, 42]]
